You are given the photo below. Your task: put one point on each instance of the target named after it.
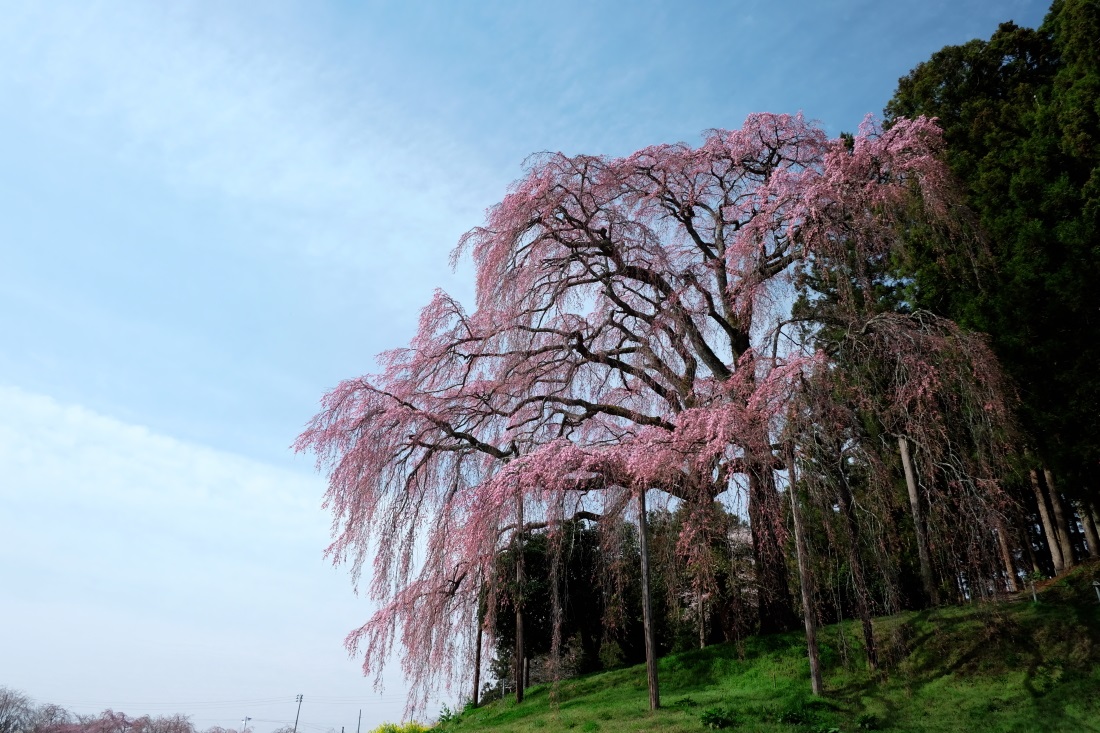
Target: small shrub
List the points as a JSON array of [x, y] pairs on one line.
[[717, 718], [411, 727], [796, 713], [446, 715], [590, 727], [868, 721]]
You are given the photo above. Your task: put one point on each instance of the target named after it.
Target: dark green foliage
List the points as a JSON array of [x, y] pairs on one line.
[[1021, 117], [868, 721], [684, 703], [718, 717], [600, 593], [583, 603], [797, 713]]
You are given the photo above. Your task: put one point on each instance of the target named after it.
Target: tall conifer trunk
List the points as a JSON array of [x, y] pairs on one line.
[[1061, 522], [1048, 525], [918, 523], [1091, 535]]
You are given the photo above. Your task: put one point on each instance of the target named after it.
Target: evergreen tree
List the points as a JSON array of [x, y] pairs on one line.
[[1020, 116]]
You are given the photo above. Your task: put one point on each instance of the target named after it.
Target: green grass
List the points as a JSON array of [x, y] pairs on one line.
[[991, 668]]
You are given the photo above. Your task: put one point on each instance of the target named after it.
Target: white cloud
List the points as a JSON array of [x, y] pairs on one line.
[[142, 568]]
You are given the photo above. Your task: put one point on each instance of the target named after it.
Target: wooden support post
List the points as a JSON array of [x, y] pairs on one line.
[[805, 579], [519, 656], [647, 607], [918, 523]]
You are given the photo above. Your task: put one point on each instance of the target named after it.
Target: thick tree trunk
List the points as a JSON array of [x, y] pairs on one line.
[[647, 607], [1048, 525], [805, 580], [776, 609], [1006, 556], [520, 655], [1061, 521], [918, 523], [863, 607], [1091, 536]]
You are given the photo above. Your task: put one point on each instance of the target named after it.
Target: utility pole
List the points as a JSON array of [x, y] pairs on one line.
[[299, 701], [360, 720], [244, 724]]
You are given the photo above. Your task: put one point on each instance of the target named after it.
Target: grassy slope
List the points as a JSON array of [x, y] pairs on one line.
[[985, 667]]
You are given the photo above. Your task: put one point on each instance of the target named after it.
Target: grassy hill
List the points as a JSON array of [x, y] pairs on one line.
[[990, 667]]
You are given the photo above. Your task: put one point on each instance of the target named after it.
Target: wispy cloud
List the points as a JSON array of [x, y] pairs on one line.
[[238, 107]]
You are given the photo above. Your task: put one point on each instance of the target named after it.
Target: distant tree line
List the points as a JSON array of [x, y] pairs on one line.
[[19, 714]]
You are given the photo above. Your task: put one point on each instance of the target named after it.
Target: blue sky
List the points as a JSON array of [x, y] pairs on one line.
[[211, 212]]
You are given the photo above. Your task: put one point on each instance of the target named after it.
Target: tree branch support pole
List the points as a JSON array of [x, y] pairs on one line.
[[647, 606], [1048, 526], [805, 579], [518, 599], [918, 522], [477, 652]]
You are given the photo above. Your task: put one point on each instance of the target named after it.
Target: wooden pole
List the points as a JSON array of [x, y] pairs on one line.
[[519, 600], [647, 607], [918, 522], [477, 657], [805, 579], [702, 618]]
